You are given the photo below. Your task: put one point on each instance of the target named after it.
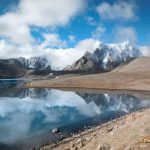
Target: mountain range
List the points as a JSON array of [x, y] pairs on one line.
[[18, 67], [104, 57]]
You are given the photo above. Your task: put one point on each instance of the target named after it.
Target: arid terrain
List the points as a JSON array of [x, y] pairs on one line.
[[131, 132], [134, 76]]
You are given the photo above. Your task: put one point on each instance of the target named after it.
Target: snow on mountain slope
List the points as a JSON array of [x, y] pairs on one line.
[[35, 63], [105, 56]]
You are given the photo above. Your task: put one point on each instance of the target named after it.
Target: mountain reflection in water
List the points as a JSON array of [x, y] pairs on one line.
[[28, 115]]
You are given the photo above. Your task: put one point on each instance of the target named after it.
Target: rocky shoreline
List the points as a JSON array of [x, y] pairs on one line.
[[129, 132]]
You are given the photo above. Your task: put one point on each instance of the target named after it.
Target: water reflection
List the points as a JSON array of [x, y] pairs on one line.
[[31, 113]]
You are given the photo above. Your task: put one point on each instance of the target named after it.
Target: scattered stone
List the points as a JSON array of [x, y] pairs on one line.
[[72, 145], [109, 129], [104, 146], [56, 130], [80, 143], [101, 132], [145, 140], [115, 127], [74, 148], [123, 123]]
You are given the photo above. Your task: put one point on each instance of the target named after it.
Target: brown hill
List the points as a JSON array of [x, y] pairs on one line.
[[141, 64]]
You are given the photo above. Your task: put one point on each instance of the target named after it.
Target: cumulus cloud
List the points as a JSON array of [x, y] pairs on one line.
[[41, 13], [15, 28], [125, 34], [58, 57], [119, 10], [55, 12], [52, 40]]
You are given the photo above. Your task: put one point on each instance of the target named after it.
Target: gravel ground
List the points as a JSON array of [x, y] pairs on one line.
[[131, 132]]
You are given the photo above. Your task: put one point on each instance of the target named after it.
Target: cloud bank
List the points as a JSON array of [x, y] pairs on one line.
[[42, 13], [58, 57]]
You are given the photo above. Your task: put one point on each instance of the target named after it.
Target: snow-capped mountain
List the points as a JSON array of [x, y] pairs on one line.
[[105, 56], [18, 67], [35, 63]]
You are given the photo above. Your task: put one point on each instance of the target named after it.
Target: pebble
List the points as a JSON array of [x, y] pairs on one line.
[[56, 130], [109, 129], [80, 143], [74, 148], [104, 146], [72, 145]]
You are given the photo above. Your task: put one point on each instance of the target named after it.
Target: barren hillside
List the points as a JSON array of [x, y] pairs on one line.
[[132, 76], [141, 64]]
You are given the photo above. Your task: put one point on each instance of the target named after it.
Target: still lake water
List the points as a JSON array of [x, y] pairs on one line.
[[28, 115]]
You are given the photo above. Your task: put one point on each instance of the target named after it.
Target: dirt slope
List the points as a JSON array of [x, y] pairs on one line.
[[136, 65]]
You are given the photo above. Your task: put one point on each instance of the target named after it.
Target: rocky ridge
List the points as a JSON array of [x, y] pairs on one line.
[[106, 56]]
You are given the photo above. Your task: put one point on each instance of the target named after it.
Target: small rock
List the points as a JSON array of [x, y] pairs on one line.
[[72, 145], [56, 130], [104, 146], [101, 132], [109, 129], [115, 127], [80, 143], [74, 148]]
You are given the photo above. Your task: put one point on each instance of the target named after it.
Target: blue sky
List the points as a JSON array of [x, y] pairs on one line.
[[80, 28], [70, 24]]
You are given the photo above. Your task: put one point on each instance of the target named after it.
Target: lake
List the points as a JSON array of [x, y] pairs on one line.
[[27, 116]]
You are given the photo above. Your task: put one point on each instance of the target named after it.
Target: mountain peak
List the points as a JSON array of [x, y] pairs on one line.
[[106, 56], [102, 45]]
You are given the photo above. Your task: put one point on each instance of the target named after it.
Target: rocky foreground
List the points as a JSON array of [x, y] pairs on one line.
[[131, 132]]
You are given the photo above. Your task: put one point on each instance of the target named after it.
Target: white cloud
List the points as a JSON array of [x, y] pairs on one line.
[[55, 12], [122, 34], [145, 50], [41, 13], [58, 57], [99, 31], [119, 10], [86, 45], [52, 40], [15, 28]]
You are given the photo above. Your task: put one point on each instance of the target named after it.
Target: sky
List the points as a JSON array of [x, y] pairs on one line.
[[63, 30]]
